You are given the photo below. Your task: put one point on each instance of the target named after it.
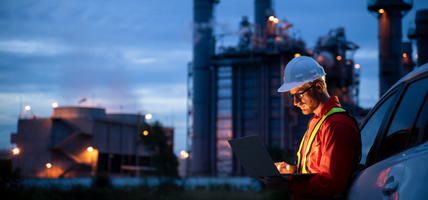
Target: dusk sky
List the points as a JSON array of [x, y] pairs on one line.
[[132, 56]]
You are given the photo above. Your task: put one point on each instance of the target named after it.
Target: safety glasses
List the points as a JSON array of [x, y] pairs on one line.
[[299, 95]]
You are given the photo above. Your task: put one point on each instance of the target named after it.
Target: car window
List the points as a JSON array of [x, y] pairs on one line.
[[402, 129], [371, 127], [422, 123]]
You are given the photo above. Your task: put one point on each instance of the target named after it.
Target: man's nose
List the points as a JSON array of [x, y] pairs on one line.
[[296, 100]]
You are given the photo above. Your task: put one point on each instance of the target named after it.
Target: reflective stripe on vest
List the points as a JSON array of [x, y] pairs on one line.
[[311, 139]]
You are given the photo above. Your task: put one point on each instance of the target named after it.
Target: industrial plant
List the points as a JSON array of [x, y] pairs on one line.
[[232, 91], [80, 142]]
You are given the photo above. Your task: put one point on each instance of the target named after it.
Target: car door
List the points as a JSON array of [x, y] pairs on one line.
[[367, 184], [406, 137], [414, 183], [388, 175]]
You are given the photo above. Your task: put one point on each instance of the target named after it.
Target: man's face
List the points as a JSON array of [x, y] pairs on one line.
[[308, 102]]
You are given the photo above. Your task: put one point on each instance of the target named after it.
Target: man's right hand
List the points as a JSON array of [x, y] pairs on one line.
[[283, 167]]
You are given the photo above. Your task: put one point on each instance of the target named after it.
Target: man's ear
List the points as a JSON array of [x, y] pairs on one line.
[[320, 87]]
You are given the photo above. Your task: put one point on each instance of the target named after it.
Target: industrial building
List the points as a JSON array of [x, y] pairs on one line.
[[232, 91], [81, 141]]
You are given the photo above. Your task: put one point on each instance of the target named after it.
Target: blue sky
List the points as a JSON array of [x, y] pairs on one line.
[[134, 54]]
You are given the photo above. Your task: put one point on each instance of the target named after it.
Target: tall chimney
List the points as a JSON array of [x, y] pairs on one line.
[[202, 16], [389, 13], [261, 9], [420, 34]]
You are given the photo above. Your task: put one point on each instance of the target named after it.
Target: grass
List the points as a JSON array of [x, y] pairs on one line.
[[137, 193]]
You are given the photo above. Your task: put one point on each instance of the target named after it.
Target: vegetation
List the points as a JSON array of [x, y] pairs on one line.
[[10, 180], [164, 159], [164, 192], [11, 188]]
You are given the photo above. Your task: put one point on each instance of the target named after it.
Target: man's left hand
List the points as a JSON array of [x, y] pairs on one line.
[[275, 182]]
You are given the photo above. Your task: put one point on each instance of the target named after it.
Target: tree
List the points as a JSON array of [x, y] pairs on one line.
[[155, 139]]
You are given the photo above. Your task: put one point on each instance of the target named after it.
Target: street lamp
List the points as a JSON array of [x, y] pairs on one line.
[[48, 165], [15, 151], [184, 154], [26, 108], [149, 116], [90, 149], [54, 105], [276, 20]]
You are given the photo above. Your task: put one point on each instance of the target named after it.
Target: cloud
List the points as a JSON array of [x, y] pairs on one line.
[[143, 60], [32, 47]]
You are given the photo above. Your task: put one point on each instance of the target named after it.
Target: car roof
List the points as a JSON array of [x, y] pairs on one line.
[[416, 72]]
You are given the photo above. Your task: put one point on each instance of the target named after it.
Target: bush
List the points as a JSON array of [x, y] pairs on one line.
[[9, 178]]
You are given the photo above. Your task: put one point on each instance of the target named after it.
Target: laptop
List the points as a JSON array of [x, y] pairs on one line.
[[256, 160]]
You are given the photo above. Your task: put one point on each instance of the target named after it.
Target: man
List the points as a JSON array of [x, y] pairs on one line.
[[331, 146]]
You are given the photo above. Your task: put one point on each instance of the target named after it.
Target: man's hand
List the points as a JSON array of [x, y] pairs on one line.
[[283, 167], [275, 182]]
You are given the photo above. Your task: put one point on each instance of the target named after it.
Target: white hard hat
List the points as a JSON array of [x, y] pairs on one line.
[[301, 70]]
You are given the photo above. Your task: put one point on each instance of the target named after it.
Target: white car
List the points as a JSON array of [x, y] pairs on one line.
[[394, 162]]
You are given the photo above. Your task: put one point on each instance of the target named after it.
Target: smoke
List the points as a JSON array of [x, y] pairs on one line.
[[217, 27]]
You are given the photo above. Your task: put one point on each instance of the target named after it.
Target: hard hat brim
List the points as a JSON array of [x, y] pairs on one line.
[[289, 86]]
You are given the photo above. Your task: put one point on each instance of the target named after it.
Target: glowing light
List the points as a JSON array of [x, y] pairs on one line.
[[381, 11], [357, 66], [348, 62], [271, 18], [416, 56], [276, 20], [339, 57], [297, 55], [184, 154], [90, 149], [404, 55], [145, 133], [54, 105], [15, 151], [149, 116], [27, 108], [48, 165]]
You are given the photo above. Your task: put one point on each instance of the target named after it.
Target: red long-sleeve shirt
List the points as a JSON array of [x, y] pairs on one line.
[[334, 153]]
